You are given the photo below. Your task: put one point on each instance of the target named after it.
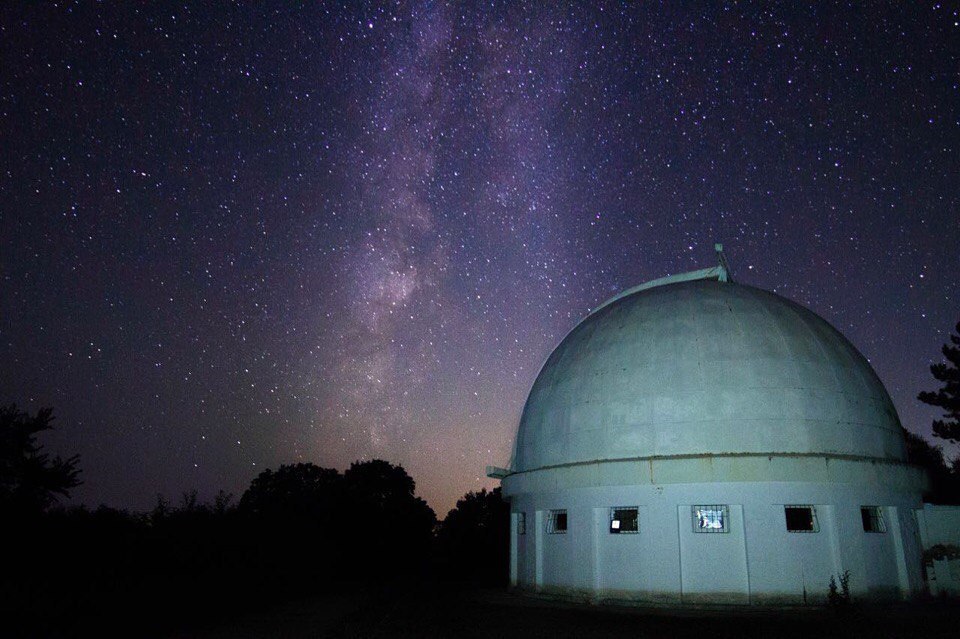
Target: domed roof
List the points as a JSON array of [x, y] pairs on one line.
[[704, 368]]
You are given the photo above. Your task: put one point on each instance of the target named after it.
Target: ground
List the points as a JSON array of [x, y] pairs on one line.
[[433, 612]]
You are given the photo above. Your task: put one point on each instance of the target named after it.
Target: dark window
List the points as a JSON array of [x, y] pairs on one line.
[[624, 520], [801, 519], [872, 517], [710, 519], [521, 523], [558, 522]]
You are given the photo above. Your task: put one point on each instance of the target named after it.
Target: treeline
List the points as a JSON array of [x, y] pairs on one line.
[[297, 531]]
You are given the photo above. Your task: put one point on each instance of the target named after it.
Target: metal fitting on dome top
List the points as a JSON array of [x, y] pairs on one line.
[[720, 273], [724, 270]]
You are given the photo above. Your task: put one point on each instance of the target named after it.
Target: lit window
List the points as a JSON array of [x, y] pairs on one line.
[[710, 519], [557, 524], [624, 520], [801, 519], [872, 517], [521, 523]]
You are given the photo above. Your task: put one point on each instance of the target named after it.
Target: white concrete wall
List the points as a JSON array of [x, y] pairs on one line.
[[758, 561], [713, 566]]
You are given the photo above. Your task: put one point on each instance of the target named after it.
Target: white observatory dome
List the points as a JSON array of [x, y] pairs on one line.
[[704, 367]]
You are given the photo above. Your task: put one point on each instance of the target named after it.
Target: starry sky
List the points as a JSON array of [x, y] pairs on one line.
[[239, 235]]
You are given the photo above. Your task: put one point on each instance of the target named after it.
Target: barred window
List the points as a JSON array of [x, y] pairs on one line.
[[710, 519], [872, 517], [801, 519], [557, 524], [624, 519], [521, 523]]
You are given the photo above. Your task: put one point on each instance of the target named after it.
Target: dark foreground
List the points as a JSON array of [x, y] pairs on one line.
[[431, 612]]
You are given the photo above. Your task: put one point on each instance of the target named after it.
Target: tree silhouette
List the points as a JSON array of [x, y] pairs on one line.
[[474, 538], [948, 396], [390, 527], [366, 522], [295, 513], [294, 492], [379, 482], [30, 481]]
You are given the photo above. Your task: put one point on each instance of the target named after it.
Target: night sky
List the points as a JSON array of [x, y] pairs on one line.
[[237, 236]]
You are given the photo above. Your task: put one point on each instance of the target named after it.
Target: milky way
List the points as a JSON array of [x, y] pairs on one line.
[[240, 236]]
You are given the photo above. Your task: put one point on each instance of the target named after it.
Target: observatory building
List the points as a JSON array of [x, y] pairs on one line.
[[695, 440]]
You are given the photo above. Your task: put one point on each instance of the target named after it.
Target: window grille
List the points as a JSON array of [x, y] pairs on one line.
[[801, 519], [624, 519], [557, 524], [872, 517], [710, 519], [521, 523]]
